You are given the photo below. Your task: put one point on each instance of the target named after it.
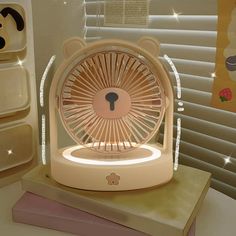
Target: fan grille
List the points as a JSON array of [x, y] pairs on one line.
[[111, 69]]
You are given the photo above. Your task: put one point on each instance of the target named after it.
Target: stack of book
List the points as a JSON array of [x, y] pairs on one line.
[[167, 210]]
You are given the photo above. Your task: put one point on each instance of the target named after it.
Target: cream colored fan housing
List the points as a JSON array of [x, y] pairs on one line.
[[111, 97]]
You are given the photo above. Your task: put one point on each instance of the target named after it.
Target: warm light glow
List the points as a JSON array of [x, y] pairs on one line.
[[176, 73], [176, 163], [20, 62], [213, 75], [156, 153], [9, 152], [41, 100], [176, 14], [43, 138], [227, 160], [180, 109], [43, 80]]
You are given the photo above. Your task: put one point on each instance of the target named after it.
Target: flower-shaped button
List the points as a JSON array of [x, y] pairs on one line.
[[113, 179]]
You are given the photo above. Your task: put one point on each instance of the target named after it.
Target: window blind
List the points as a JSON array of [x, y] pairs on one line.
[[208, 140]]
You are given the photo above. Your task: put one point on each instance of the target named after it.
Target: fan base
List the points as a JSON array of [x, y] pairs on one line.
[[151, 167]]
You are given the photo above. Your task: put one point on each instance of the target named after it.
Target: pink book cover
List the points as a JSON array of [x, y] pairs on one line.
[[35, 210]]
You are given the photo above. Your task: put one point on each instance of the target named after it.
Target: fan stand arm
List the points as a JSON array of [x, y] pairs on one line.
[[168, 129]]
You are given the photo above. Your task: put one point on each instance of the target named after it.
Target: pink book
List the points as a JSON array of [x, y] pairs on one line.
[[35, 210]]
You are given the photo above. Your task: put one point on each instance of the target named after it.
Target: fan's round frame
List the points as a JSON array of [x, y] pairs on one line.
[[137, 54]]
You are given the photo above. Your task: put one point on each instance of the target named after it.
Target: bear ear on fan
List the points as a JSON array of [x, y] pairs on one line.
[[72, 45], [150, 44]]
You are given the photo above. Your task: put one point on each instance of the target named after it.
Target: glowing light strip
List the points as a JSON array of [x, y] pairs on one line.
[[176, 164], [41, 100], [42, 83], [179, 95], [43, 150], [67, 155], [176, 73]]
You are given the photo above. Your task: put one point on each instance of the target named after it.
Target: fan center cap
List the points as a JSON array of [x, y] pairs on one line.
[[112, 103]]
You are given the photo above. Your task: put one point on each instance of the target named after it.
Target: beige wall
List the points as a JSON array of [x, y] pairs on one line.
[[54, 22]]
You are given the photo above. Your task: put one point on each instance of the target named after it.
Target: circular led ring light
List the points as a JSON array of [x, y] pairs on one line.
[[67, 154], [113, 97]]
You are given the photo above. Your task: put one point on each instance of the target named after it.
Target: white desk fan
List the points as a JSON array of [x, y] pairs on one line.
[[111, 97]]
